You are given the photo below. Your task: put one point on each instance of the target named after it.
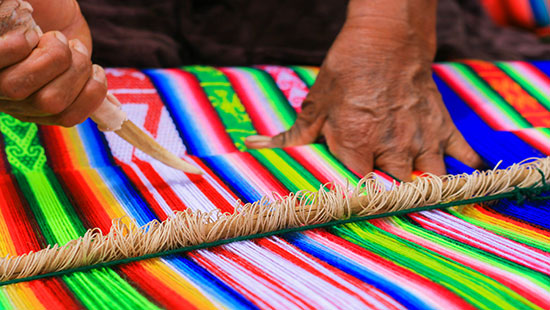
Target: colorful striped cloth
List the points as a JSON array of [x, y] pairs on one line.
[[528, 14], [57, 183]]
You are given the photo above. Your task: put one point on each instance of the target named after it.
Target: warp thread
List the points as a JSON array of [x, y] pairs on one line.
[[303, 208]]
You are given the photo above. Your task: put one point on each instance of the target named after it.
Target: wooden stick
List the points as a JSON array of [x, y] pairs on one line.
[[136, 137]]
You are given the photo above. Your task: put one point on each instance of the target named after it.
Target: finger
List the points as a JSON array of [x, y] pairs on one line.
[[18, 32], [57, 95], [89, 99], [50, 59], [458, 148], [17, 45], [304, 131], [359, 163], [430, 161], [398, 165]]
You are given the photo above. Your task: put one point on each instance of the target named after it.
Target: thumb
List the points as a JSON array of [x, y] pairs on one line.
[[305, 130]]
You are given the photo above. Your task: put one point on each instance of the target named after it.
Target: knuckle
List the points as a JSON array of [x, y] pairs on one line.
[[83, 66], [68, 121], [60, 56], [15, 87], [49, 102], [15, 50]]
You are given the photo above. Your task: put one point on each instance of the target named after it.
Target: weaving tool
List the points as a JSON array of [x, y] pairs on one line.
[[110, 117]]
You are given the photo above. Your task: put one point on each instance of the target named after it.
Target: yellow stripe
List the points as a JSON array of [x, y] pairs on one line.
[[79, 157], [293, 175], [22, 296], [176, 282], [476, 214]]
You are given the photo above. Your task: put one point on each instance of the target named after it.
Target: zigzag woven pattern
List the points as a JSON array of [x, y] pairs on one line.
[[56, 183]]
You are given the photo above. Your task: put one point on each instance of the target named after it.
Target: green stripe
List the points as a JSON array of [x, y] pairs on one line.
[[276, 99], [226, 103], [510, 234], [491, 96], [473, 252], [289, 172], [474, 287], [327, 157], [5, 302], [306, 74], [54, 213], [541, 95]]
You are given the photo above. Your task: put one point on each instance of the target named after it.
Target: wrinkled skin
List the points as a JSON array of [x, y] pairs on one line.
[[376, 104], [49, 78]]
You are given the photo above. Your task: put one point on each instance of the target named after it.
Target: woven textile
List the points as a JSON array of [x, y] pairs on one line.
[[529, 14], [57, 183]]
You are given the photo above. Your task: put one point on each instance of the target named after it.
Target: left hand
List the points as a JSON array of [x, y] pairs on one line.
[[376, 104]]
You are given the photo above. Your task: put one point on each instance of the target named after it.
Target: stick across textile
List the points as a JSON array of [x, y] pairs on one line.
[[303, 208]]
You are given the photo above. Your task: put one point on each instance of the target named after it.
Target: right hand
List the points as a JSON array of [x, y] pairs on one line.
[[45, 78]]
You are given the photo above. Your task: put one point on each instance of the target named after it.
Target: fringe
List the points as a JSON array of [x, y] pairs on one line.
[[125, 239]]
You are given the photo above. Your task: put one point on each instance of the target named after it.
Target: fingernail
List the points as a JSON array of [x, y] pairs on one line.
[[99, 74], [32, 36], [24, 5], [61, 37], [77, 45], [258, 141]]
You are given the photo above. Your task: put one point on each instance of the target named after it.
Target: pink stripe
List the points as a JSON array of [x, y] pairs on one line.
[[431, 293], [475, 99], [465, 232], [514, 281], [204, 118], [263, 116], [535, 138]]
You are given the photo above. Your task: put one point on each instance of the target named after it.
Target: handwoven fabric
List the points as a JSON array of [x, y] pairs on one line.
[[529, 14], [57, 183]]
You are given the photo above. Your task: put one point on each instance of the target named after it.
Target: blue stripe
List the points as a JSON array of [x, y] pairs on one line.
[[493, 146], [209, 283], [536, 213], [540, 12], [188, 129], [119, 184], [233, 178], [306, 244]]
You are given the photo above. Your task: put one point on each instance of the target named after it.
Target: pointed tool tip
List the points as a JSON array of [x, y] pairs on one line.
[[135, 136]]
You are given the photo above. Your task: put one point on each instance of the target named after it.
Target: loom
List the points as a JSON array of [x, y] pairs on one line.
[[89, 221]]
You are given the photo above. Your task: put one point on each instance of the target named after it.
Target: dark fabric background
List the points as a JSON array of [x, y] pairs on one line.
[[169, 33]]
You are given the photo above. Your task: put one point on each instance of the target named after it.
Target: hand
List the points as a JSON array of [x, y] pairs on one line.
[[45, 78], [376, 105]]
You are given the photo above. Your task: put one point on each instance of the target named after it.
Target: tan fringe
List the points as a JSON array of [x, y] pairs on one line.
[[303, 208]]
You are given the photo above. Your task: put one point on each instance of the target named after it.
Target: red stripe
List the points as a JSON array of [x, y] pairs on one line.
[[472, 263], [252, 109], [276, 248], [418, 280], [258, 272], [514, 94], [468, 98], [161, 187], [307, 163], [201, 101], [224, 276], [154, 287], [54, 294], [517, 222], [142, 189], [524, 258], [527, 136], [75, 186], [263, 173]]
